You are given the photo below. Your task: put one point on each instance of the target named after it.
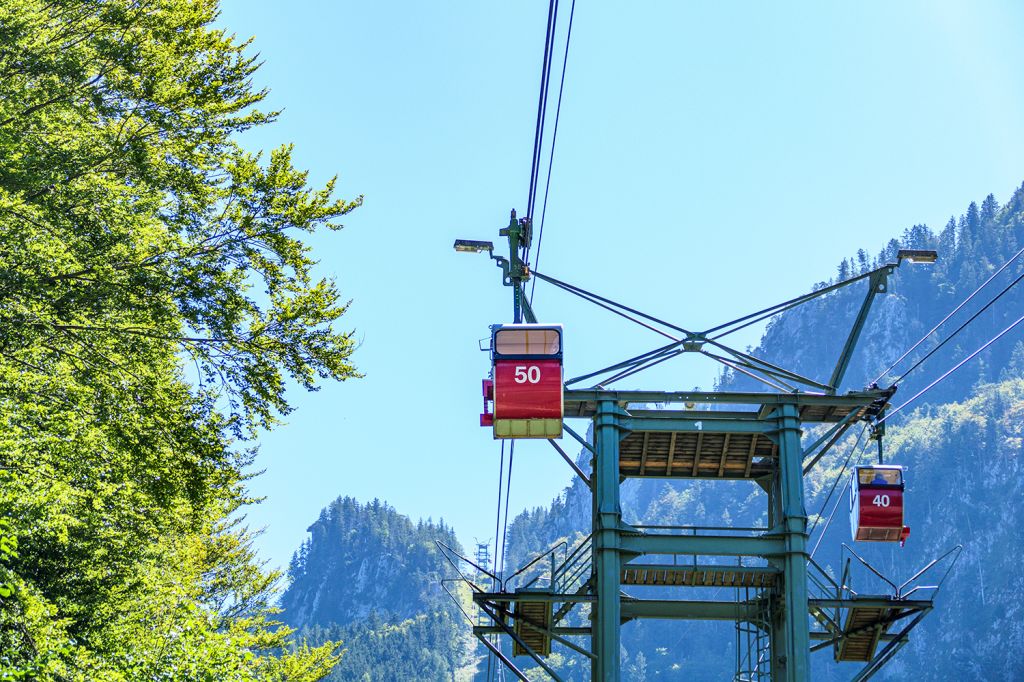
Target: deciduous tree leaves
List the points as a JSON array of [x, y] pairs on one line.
[[155, 299]]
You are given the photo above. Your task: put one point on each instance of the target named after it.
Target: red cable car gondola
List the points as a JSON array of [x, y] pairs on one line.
[[526, 381], [876, 504]]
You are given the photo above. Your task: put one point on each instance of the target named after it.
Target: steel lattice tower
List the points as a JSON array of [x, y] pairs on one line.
[[783, 598]]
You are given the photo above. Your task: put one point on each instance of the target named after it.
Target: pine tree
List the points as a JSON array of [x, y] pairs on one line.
[[844, 270]]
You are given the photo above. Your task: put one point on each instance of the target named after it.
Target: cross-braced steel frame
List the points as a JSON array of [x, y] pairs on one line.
[[731, 436]]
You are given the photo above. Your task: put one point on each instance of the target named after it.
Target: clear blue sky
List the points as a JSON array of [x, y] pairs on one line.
[[712, 159]]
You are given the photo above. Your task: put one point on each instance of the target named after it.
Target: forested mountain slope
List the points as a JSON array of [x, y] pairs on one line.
[[370, 578], [961, 442]]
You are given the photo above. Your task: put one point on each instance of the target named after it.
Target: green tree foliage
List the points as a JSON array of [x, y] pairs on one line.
[[429, 647], [157, 297]]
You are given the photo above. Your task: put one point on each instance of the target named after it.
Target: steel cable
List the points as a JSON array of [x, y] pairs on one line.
[[583, 293], [497, 527], [508, 491], [959, 329], [951, 313], [497, 521], [842, 471], [953, 369], [554, 138], [538, 134]]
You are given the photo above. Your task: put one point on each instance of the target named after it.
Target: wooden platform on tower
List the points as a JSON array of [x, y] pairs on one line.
[[744, 436]]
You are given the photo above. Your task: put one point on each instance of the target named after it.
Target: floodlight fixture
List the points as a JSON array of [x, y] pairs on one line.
[[917, 255], [473, 246]]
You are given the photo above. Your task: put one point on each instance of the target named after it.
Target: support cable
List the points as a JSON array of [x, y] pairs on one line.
[[959, 329], [583, 293], [496, 568], [632, 362], [554, 138], [639, 367], [586, 296], [542, 100], [754, 318], [508, 490], [953, 369], [829, 521], [781, 386], [951, 313], [842, 471], [497, 522], [766, 367]]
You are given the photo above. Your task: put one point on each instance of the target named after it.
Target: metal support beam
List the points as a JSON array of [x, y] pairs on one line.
[[877, 284], [696, 425], [571, 463], [607, 613], [792, 657], [764, 571], [582, 402], [504, 659], [704, 545], [509, 597], [883, 656], [525, 647], [557, 638], [494, 629], [872, 603], [689, 610], [579, 439]]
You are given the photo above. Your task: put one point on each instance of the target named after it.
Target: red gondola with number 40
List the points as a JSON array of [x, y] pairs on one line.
[[876, 504]]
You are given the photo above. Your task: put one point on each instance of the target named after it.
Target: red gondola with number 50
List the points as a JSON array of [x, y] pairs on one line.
[[876, 504], [526, 381]]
